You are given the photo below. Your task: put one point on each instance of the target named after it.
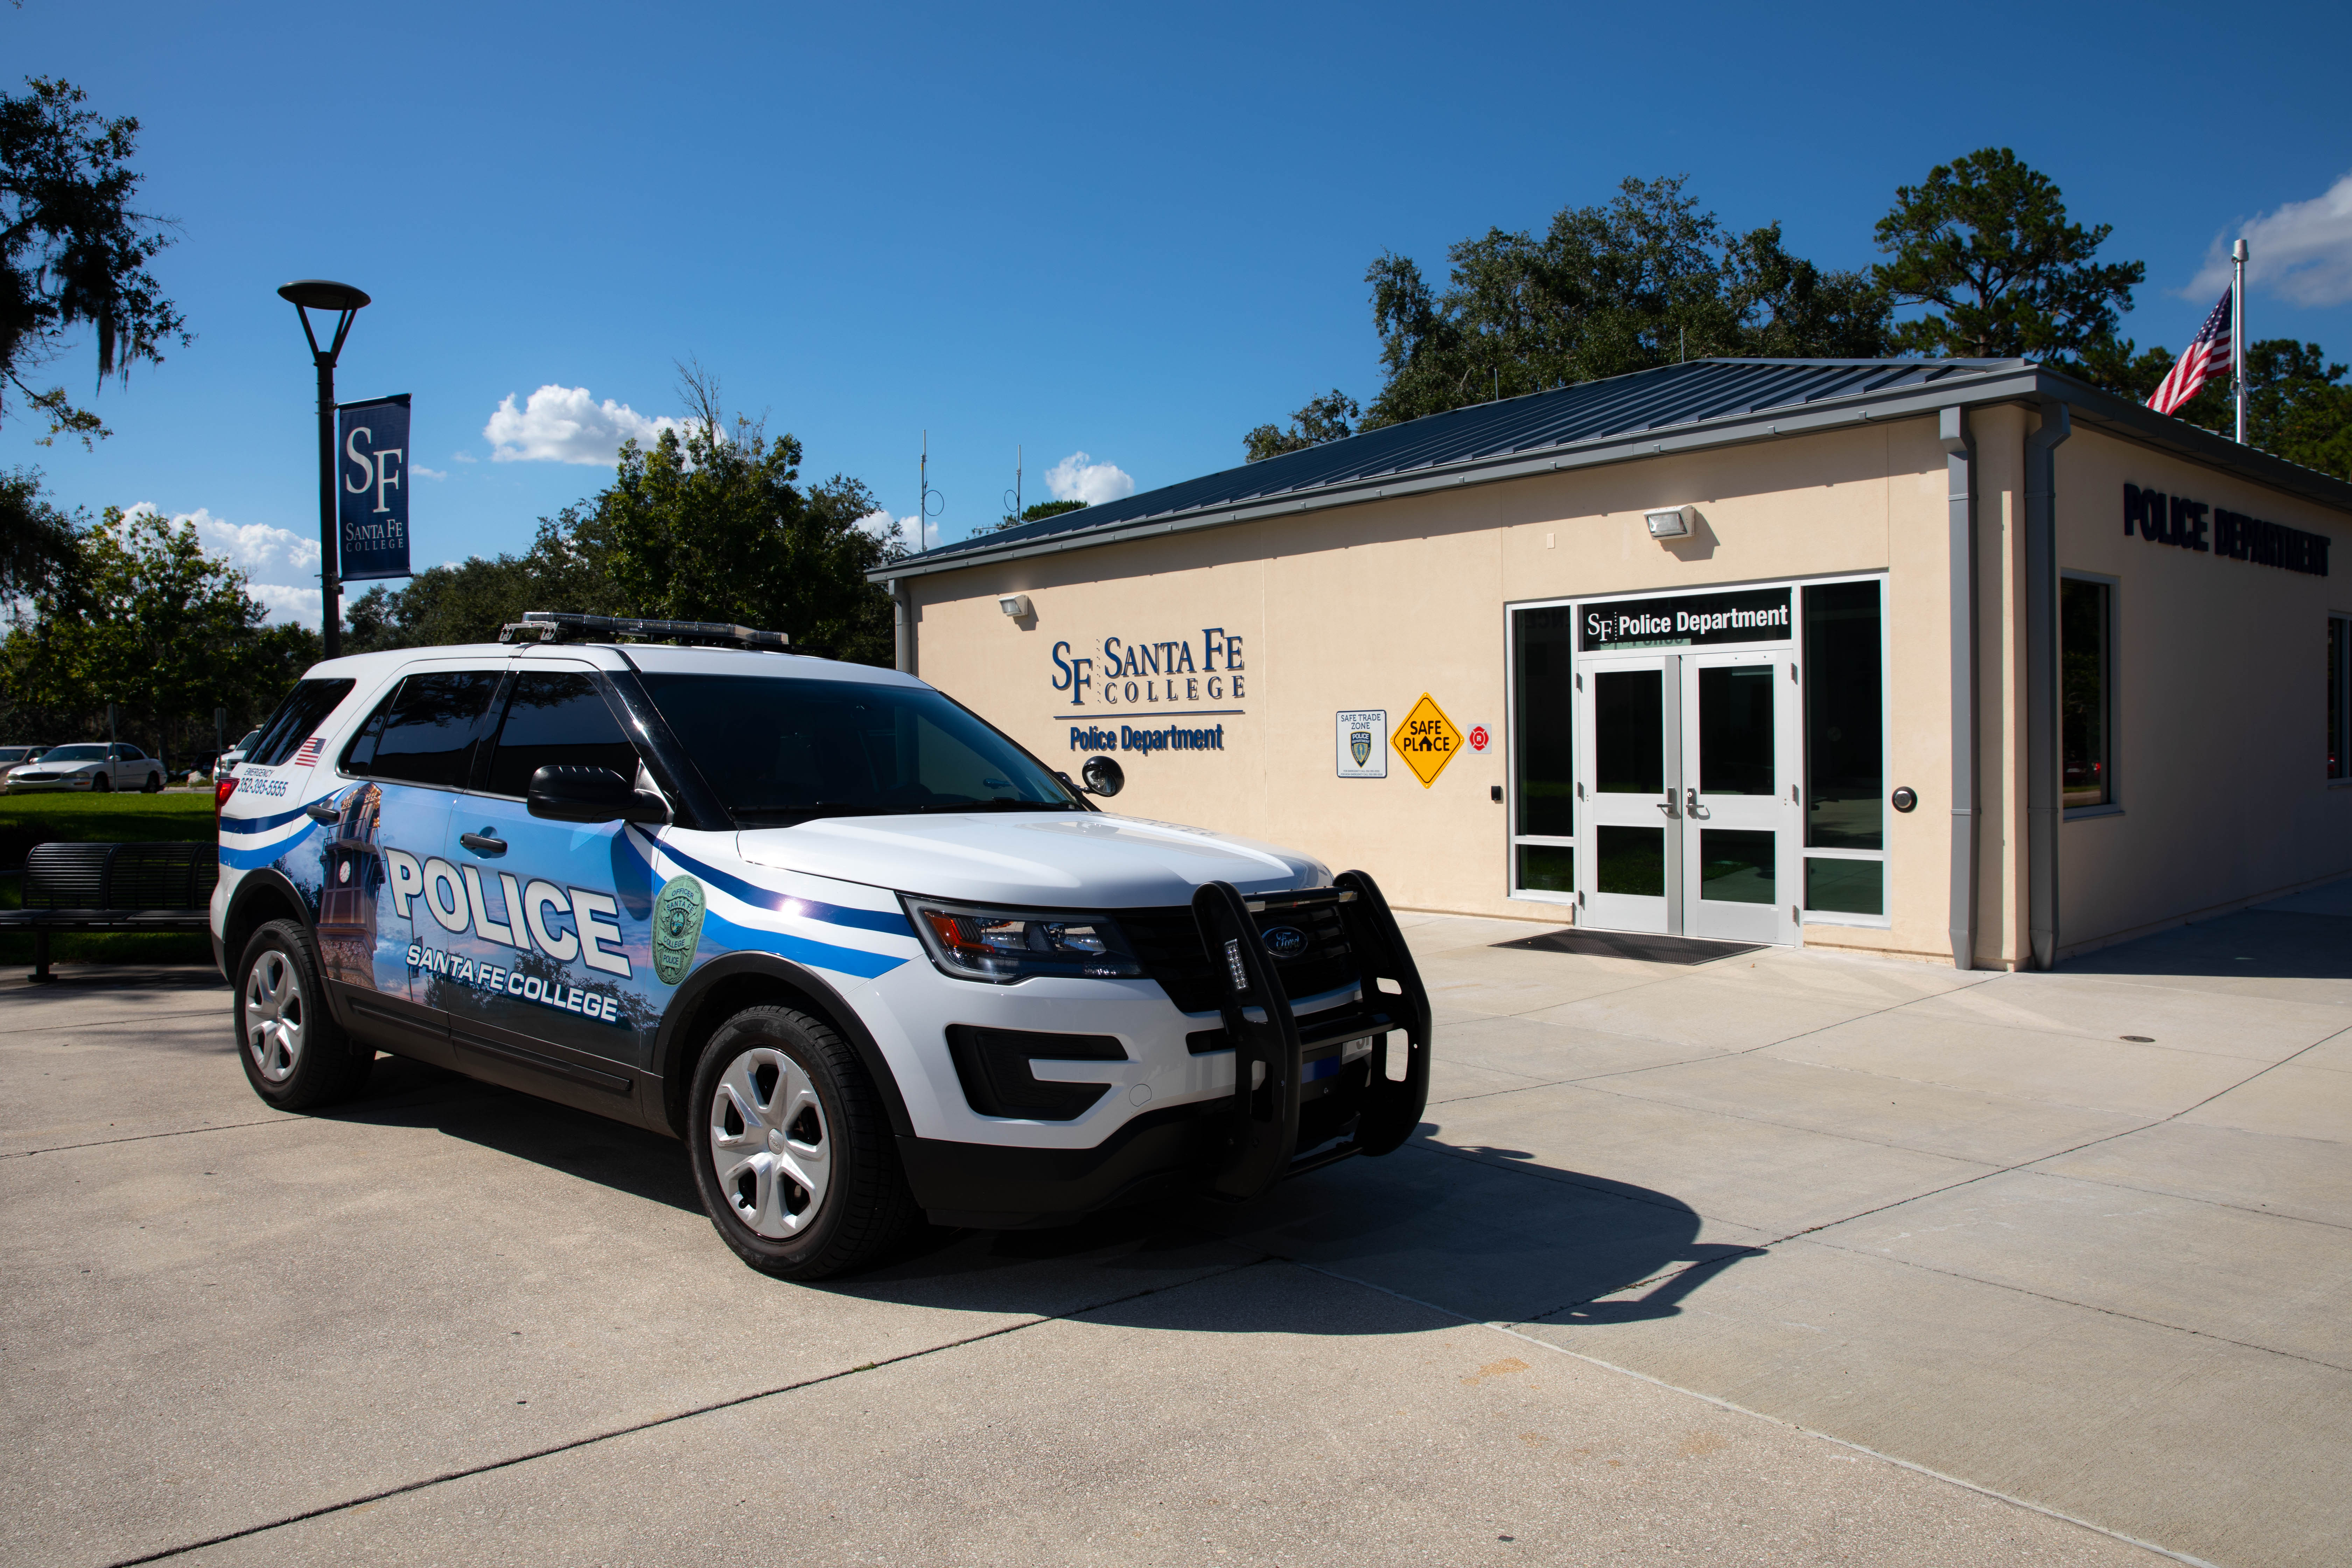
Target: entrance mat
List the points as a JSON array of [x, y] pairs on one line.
[[1633, 944]]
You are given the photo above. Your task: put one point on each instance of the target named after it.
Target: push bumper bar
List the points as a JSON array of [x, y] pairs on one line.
[[1257, 1144]]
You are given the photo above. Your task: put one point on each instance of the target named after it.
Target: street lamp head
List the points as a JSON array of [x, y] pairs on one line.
[[320, 295]]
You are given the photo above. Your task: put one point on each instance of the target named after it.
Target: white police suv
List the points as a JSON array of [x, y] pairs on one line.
[[869, 958]]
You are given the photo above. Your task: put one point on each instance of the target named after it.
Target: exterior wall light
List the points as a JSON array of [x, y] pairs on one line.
[[1014, 604], [1675, 522]]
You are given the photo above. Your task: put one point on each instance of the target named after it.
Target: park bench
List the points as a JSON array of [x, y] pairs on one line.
[[112, 887]]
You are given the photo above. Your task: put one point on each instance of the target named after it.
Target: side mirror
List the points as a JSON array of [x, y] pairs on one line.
[[565, 792], [1102, 776]]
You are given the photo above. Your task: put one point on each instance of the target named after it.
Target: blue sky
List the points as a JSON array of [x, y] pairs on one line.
[[1126, 234]]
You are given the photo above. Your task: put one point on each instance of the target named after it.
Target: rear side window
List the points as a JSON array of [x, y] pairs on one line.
[[426, 732], [133, 754], [556, 719], [305, 709]]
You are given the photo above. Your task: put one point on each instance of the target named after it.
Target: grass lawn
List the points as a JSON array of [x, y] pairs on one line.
[[29, 819]]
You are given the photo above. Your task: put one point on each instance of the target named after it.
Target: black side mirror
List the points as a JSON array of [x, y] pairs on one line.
[[1102, 776], [565, 792]]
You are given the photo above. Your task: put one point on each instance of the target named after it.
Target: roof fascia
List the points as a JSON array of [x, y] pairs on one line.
[[2028, 384]]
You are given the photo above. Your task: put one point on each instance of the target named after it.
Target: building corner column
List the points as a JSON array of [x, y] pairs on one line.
[[2044, 793], [1959, 467]]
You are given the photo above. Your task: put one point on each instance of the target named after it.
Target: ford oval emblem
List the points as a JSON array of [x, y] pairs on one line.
[[1285, 941]]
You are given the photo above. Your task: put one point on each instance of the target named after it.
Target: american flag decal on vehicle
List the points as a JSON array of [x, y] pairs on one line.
[[308, 757]]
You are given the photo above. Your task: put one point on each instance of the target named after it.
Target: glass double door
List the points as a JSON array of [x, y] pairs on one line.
[[1688, 779]]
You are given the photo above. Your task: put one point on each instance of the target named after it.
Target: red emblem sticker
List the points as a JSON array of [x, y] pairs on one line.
[[1479, 739]]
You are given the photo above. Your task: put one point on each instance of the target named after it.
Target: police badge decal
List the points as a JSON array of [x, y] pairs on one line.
[[678, 928]]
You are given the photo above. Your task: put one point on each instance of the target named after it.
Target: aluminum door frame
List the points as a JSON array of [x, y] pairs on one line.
[[1781, 813], [1628, 911]]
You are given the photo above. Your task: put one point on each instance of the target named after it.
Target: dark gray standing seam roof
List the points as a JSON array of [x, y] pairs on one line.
[[1705, 402]]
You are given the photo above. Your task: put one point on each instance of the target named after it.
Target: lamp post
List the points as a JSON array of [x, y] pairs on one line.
[[305, 295]]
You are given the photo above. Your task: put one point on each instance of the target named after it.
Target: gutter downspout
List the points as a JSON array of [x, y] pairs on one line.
[[1959, 467], [902, 624], [2043, 794]]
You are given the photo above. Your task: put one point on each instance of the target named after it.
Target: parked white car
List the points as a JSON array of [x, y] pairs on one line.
[[89, 766], [225, 766]]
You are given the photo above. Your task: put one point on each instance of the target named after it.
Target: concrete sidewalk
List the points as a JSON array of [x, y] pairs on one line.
[[1955, 1219]]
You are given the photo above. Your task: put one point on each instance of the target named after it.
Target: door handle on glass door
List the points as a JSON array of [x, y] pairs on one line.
[[483, 843], [1667, 805], [1690, 802]]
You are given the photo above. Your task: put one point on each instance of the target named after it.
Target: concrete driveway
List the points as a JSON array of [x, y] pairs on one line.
[[1781, 1258]]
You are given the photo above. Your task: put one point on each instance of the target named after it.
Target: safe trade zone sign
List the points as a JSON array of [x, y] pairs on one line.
[[1427, 741]]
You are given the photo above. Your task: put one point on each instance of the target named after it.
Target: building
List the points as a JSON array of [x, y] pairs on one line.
[[1957, 659]]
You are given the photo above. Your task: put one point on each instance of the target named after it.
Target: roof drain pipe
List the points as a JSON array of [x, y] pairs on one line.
[[902, 624], [2042, 795], [1959, 445]]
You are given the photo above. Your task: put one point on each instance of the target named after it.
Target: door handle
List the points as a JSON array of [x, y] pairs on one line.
[[1690, 802], [1666, 805], [485, 844], [320, 811]]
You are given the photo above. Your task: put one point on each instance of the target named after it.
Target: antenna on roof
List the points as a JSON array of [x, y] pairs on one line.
[[923, 512], [1015, 491]]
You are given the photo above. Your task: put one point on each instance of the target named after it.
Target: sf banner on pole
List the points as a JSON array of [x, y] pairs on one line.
[[371, 460]]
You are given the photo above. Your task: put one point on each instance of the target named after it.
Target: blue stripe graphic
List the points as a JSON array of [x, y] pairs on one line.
[[889, 922], [247, 859], [798, 948], [249, 826]]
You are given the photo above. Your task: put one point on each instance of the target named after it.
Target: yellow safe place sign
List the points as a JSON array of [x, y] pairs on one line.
[[1427, 741]]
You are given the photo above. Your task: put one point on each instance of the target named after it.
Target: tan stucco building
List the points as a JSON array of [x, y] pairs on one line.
[[1961, 661]]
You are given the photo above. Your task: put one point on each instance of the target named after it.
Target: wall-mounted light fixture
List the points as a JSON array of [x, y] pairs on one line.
[[1014, 604], [1674, 522]]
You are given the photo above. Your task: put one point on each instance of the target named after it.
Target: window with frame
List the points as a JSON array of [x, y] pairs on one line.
[[2339, 695], [2087, 692], [1845, 751], [1543, 751]]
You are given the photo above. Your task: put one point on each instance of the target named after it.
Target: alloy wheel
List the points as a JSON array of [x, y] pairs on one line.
[[275, 1016], [770, 1146]]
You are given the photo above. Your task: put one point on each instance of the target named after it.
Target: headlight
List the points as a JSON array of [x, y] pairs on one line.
[[1001, 946]]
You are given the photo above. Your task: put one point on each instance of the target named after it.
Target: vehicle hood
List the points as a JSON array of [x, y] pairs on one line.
[[1093, 860]]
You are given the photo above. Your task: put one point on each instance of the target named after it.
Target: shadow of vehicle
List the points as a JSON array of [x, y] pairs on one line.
[[1484, 1233]]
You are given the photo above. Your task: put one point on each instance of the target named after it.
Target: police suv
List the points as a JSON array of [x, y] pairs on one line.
[[865, 956]]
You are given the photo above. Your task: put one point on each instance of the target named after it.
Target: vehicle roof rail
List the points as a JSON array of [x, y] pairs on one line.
[[566, 626]]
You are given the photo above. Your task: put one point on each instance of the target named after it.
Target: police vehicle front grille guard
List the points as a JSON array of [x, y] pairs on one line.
[[1258, 1143]]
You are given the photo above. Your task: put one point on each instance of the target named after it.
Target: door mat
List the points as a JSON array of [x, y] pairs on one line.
[[1634, 945]]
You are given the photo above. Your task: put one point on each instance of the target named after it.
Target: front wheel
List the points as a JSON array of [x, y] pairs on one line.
[[793, 1153], [102, 785], [295, 1054]]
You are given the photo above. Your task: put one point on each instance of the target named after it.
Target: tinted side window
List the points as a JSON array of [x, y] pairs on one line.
[[559, 719], [305, 709], [426, 734], [133, 754]]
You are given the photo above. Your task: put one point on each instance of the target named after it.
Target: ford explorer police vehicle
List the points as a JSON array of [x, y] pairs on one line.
[[865, 956]]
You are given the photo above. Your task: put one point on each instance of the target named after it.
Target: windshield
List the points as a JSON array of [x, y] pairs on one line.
[[76, 754], [246, 744], [779, 751]]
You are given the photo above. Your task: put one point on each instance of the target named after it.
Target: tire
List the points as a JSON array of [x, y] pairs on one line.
[[155, 785], [295, 1056], [100, 785], [781, 1109]]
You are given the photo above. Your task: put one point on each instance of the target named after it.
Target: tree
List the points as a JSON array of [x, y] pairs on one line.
[[712, 526], [567, 567], [1037, 511], [1643, 281], [2297, 406], [38, 542], [1985, 242], [72, 251], [156, 626], [1323, 419]]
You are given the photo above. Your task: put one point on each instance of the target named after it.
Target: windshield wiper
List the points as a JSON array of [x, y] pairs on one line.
[[998, 805]]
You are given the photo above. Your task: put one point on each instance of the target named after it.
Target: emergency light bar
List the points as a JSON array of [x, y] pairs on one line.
[[565, 626]]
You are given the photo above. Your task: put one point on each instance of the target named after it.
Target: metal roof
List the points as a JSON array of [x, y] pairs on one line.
[[1678, 408]]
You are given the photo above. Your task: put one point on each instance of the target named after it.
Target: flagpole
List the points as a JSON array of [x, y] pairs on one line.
[[2238, 331]]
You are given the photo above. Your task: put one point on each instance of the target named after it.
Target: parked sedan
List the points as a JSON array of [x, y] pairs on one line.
[[13, 757], [226, 766], [92, 766]]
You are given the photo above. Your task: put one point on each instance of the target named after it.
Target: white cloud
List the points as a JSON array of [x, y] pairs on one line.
[[883, 526], [464, 457], [565, 425], [431, 473], [1080, 479], [2302, 252], [274, 560]]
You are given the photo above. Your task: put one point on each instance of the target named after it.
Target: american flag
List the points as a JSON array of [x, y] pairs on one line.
[[2205, 358], [308, 757]]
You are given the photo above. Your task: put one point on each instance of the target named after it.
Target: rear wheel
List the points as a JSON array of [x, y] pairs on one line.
[[153, 785], [295, 1054], [792, 1150]]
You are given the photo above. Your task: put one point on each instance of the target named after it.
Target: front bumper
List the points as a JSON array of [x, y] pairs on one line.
[[1306, 1099], [46, 786]]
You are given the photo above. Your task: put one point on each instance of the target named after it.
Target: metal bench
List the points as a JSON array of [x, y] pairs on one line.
[[112, 887]]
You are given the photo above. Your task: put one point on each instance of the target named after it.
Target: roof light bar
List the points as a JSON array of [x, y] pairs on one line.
[[565, 626]]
